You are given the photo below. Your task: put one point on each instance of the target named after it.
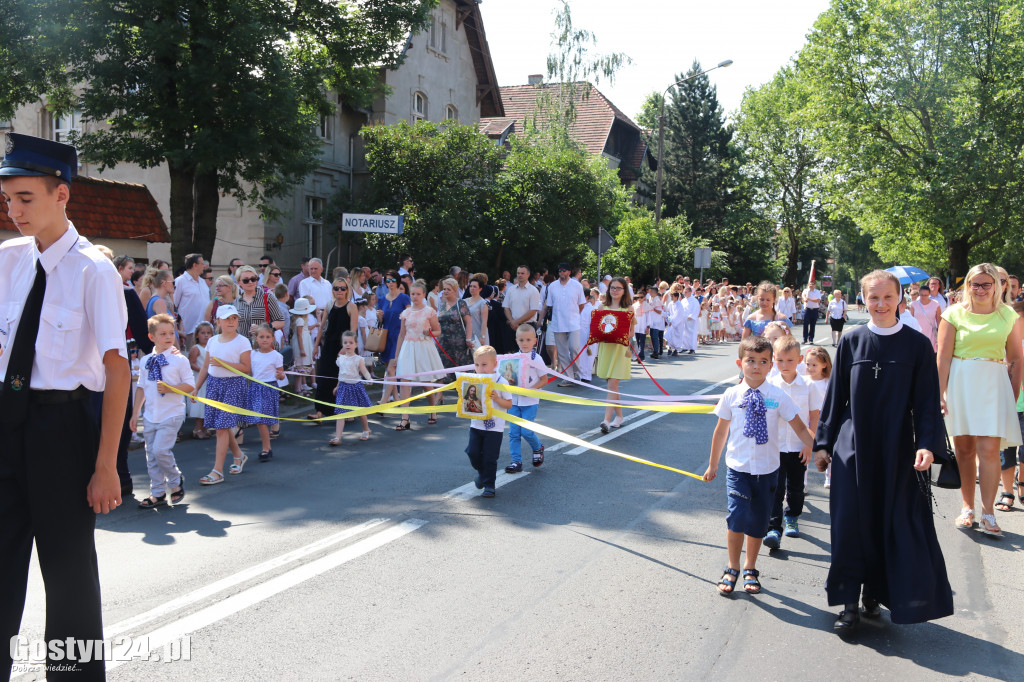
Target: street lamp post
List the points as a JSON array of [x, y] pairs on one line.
[[661, 133]]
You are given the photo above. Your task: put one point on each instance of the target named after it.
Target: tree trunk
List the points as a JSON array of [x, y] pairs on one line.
[[182, 202], [791, 259], [958, 263], [206, 206], [501, 254]]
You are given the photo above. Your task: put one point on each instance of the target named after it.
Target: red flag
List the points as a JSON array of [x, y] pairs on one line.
[[813, 275]]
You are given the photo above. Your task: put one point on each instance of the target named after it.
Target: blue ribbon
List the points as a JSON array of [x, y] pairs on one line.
[[755, 425], [153, 366]]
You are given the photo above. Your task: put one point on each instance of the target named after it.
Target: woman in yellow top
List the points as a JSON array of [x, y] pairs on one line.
[[977, 339], [612, 358]]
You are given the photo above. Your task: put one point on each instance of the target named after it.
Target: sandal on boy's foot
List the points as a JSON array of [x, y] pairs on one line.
[[212, 478], [872, 609], [152, 502], [514, 468], [990, 527], [728, 582], [334, 442], [966, 519], [238, 465], [179, 494], [538, 456], [488, 492], [751, 584], [266, 455], [365, 436], [848, 620], [1004, 506]]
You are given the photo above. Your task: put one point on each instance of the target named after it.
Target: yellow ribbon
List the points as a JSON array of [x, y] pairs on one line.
[[561, 398], [554, 433]]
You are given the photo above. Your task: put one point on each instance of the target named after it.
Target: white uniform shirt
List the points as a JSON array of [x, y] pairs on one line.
[[83, 314], [813, 299], [655, 312], [565, 301], [808, 397], [160, 407], [640, 315], [520, 299], [190, 299], [531, 370], [264, 365], [319, 289], [742, 453], [228, 351], [499, 424]]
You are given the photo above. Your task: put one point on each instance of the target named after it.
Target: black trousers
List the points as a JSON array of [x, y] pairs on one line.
[[45, 467], [483, 450], [641, 341], [790, 488], [810, 321], [657, 341]]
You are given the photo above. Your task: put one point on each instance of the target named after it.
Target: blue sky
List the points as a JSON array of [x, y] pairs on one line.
[[663, 37]]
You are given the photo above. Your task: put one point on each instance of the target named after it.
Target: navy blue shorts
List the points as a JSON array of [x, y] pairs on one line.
[[750, 501]]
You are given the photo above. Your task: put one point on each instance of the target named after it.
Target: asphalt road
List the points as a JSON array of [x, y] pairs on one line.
[[379, 561]]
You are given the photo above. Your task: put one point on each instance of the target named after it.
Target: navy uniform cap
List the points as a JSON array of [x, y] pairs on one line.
[[34, 156]]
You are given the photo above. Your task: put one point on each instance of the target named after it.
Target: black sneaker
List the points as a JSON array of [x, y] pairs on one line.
[[514, 468]]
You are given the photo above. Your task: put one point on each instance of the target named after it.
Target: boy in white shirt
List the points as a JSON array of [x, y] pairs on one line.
[[485, 435], [533, 371], [165, 411], [793, 455], [752, 457]]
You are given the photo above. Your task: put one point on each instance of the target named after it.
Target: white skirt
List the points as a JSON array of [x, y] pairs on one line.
[[980, 402], [420, 356]]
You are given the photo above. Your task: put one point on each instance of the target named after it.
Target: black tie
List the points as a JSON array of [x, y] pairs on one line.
[[14, 399]]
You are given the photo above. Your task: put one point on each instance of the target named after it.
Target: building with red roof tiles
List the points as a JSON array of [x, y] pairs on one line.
[[121, 215], [600, 126]]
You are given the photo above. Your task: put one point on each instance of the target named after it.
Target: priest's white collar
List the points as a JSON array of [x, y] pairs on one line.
[[885, 331]]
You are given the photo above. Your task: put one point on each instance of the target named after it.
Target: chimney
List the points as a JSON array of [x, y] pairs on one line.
[[535, 79]]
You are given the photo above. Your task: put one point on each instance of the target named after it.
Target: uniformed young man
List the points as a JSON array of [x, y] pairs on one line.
[[62, 321]]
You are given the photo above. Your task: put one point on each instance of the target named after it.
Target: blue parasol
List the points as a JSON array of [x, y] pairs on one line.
[[908, 273]]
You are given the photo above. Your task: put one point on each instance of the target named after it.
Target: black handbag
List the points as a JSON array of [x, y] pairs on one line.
[[949, 471]]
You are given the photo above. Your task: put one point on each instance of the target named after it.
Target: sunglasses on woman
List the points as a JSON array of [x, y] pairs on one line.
[[248, 280], [340, 288], [276, 274], [390, 279]]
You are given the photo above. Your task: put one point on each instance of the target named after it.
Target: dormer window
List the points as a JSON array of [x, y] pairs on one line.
[[419, 106]]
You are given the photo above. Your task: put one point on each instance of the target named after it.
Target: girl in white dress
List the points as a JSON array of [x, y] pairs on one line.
[[350, 393], [302, 343], [417, 350], [197, 358]]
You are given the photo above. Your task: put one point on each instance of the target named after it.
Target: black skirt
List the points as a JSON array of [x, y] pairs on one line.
[[837, 324]]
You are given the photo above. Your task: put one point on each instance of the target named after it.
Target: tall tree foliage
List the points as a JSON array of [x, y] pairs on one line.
[[227, 93], [920, 104], [780, 162], [700, 169]]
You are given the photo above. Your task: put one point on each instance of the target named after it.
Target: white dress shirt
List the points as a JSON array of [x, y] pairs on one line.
[[191, 296], [83, 314], [787, 307], [742, 453], [159, 406], [565, 301], [808, 397], [813, 299], [319, 289], [521, 298], [655, 313]]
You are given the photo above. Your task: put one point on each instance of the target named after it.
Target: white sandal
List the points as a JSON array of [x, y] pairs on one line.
[[212, 478], [365, 436], [965, 520], [237, 467], [990, 527]]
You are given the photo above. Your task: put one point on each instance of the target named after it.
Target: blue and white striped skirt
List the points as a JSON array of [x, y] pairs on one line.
[[264, 400]]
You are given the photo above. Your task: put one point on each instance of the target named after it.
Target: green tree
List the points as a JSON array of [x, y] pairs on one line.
[[227, 93], [919, 104], [441, 177], [700, 165], [779, 161]]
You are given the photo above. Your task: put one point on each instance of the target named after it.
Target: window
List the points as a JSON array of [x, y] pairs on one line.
[[419, 106], [433, 34], [451, 113], [444, 38], [314, 223], [64, 125], [325, 128]]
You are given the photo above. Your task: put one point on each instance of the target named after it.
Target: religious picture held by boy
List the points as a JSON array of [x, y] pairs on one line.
[[534, 373], [749, 415]]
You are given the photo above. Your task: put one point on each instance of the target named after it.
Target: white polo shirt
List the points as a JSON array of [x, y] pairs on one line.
[[159, 406], [742, 453], [808, 397], [191, 297], [565, 301], [83, 315], [813, 299], [319, 289], [520, 299]]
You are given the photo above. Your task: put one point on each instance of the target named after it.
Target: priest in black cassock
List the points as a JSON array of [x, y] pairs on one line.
[[880, 427]]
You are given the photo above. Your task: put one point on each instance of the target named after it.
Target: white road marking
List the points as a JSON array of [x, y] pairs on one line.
[[657, 415], [464, 492], [238, 578], [175, 630]]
